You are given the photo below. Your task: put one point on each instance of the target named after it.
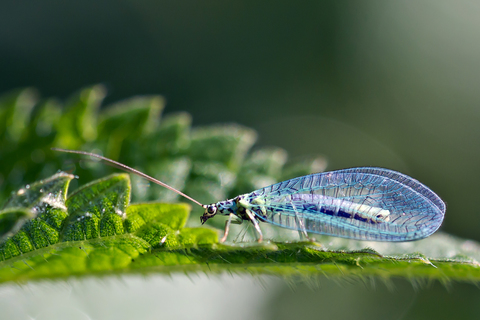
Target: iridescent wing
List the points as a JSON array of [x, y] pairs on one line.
[[359, 203]]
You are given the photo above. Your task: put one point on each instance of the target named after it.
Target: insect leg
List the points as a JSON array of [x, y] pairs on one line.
[[255, 224], [302, 231], [227, 225]]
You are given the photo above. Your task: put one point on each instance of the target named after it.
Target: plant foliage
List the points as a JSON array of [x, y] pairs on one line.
[[47, 233]]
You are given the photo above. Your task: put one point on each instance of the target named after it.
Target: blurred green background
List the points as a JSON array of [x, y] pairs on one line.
[[371, 83]]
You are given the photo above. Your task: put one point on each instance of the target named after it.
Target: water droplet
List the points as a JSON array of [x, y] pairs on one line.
[[20, 192], [27, 186], [162, 241], [41, 190]]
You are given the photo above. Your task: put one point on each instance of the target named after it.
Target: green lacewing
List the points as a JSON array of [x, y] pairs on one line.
[[363, 203]]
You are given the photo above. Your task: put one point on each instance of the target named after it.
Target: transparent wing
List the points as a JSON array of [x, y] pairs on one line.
[[359, 203]]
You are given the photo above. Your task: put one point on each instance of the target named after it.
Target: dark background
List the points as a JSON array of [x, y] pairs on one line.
[[391, 84]]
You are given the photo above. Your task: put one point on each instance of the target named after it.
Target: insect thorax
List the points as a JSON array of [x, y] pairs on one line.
[[226, 207], [240, 204], [235, 206]]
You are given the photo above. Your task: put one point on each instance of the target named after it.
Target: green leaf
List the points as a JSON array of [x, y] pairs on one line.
[[189, 237], [78, 122], [44, 117], [262, 168], [11, 220], [174, 172], [15, 108], [96, 232], [227, 144], [92, 231], [128, 120], [172, 138], [43, 207], [49, 192], [210, 181], [172, 215], [97, 209]]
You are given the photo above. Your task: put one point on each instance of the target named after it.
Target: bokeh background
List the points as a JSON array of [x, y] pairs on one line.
[[376, 83]]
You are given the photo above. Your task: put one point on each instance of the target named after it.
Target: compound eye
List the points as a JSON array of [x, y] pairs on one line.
[[211, 209]]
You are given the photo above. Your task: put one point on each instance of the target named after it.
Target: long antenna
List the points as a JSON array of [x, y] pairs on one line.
[[131, 170]]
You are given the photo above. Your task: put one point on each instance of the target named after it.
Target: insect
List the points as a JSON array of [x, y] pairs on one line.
[[364, 203]]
